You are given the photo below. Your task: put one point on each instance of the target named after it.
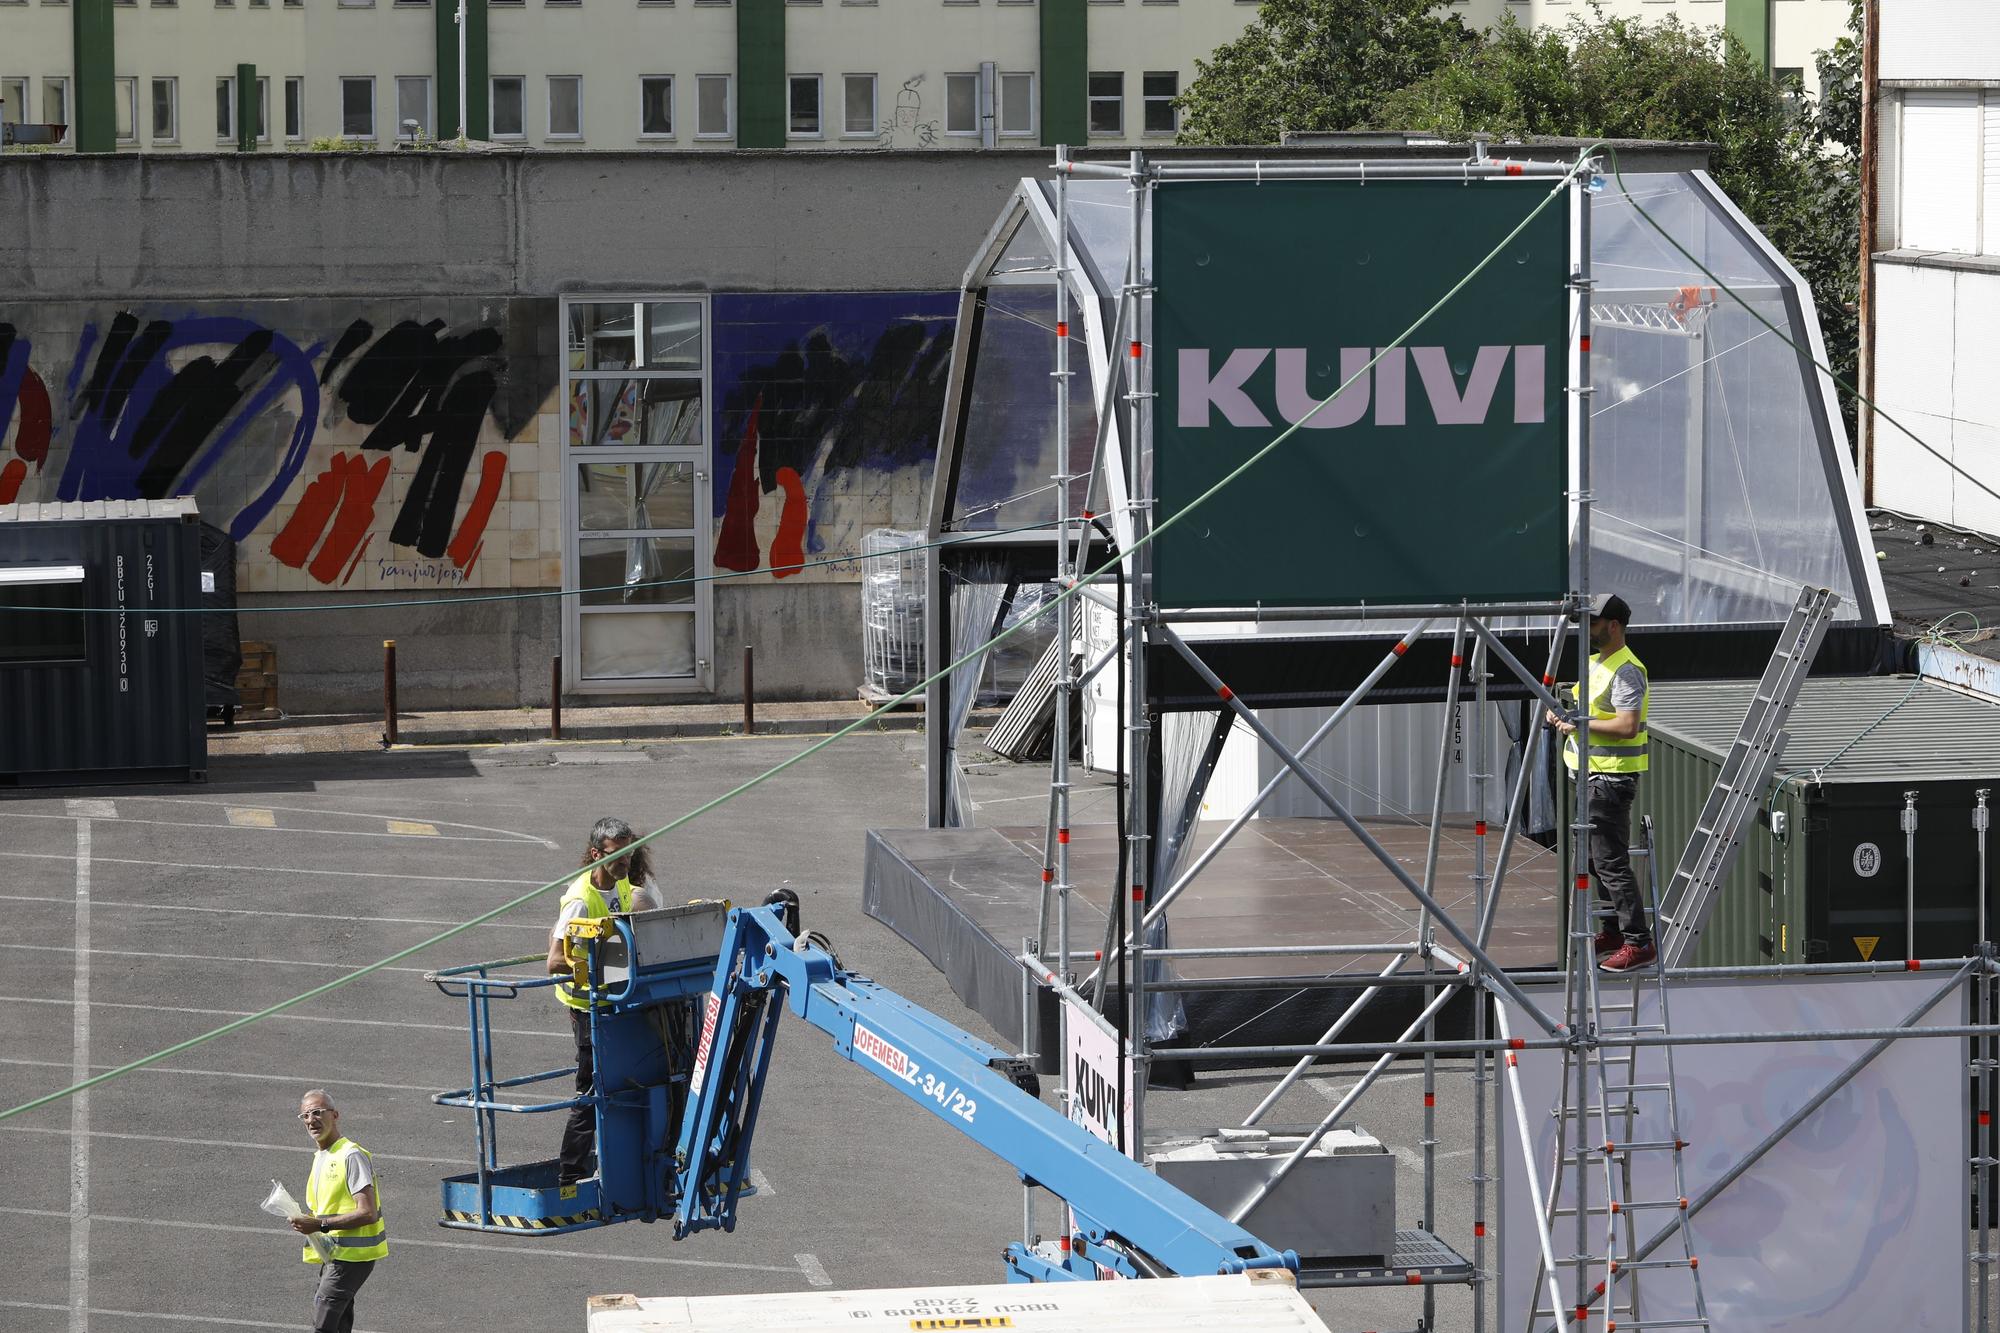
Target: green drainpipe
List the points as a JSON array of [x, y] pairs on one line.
[[1065, 77], [248, 109], [477, 110], [94, 92], [760, 73], [1749, 22]]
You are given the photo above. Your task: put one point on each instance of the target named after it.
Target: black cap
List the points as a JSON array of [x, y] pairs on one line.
[[1610, 606]]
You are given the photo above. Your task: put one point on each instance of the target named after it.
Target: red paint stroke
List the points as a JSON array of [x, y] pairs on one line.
[[788, 548], [736, 548], [11, 477], [355, 563], [355, 517], [464, 548], [343, 498], [31, 438]]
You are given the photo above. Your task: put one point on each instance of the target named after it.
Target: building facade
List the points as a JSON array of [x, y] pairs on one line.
[[196, 75], [1935, 273]]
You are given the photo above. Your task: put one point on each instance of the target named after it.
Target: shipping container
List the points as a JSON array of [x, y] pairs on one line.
[[100, 643], [1823, 870]]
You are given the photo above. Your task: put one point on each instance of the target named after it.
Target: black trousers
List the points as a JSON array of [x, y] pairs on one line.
[[580, 1133], [333, 1298], [1611, 853]]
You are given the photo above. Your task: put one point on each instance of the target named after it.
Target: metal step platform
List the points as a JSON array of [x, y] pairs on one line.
[[1420, 1259]]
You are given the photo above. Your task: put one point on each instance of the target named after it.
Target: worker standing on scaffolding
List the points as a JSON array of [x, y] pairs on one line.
[[1615, 701], [613, 880]]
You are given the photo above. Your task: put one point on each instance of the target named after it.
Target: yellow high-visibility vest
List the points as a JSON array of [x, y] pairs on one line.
[[594, 904], [1607, 754], [327, 1194]]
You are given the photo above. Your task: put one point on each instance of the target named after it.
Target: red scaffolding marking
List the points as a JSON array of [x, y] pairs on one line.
[[1478, 1228], [1087, 516], [1138, 893], [1518, 1043], [1430, 1099], [1415, 1278], [1582, 1313], [1617, 1207], [1511, 1061], [1985, 1117], [1913, 965], [1582, 883], [1548, 680], [1457, 661], [1583, 344], [1513, 168], [1062, 329], [1062, 835], [1048, 875], [1401, 647], [1693, 1262], [1136, 351], [1226, 693], [1478, 828]]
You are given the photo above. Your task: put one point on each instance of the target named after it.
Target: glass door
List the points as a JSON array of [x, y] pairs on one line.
[[636, 496]]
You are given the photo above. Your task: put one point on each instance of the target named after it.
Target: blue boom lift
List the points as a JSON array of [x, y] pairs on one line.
[[688, 1003]]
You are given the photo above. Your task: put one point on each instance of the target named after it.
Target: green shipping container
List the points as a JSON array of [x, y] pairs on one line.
[[1822, 871]]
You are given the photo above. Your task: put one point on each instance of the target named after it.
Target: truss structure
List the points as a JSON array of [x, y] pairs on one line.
[[1608, 1256]]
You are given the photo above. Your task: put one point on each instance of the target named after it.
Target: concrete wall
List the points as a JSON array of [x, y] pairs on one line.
[[354, 362]]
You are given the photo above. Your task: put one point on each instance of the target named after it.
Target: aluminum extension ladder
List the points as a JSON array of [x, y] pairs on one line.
[[1718, 831], [1630, 1092]]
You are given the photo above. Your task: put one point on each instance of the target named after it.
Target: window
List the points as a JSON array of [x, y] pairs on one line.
[[295, 107], [357, 4], [166, 111], [125, 109], [1160, 89], [55, 634], [225, 108], [357, 107], [802, 106], [961, 104], [413, 106], [858, 104], [260, 4], [656, 106], [13, 101], [55, 101], [1107, 103], [507, 106], [1017, 104], [712, 106], [565, 106], [263, 109]]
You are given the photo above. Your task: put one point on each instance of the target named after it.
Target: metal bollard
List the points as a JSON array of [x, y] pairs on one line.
[[388, 692], [749, 693], [555, 697]]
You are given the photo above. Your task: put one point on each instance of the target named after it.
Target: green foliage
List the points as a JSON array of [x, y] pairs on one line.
[[337, 144], [1316, 65], [1789, 161]]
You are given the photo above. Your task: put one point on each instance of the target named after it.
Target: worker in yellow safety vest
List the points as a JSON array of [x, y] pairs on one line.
[[1615, 699], [344, 1204], [613, 880]]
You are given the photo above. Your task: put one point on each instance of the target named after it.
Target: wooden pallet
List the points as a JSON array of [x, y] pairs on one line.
[[257, 681]]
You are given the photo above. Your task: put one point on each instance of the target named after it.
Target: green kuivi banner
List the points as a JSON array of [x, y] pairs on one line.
[[1437, 476]]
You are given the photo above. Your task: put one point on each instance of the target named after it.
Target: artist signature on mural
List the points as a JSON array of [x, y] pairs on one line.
[[438, 572]]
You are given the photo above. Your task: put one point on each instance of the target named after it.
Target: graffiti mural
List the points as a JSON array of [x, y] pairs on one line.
[[295, 444], [826, 421]]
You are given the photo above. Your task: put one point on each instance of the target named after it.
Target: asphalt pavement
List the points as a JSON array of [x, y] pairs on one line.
[[143, 917]]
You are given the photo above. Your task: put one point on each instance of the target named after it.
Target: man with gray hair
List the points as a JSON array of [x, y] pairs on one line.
[[613, 880], [342, 1204]]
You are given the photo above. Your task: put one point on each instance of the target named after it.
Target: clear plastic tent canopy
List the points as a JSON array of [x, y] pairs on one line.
[[1720, 465]]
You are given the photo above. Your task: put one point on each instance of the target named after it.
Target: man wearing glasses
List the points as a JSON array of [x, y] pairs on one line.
[[341, 1203]]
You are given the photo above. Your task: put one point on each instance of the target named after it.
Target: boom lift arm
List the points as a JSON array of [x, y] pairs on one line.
[[687, 1003]]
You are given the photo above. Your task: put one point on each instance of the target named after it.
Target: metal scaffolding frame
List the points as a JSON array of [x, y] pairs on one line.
[[1452, 955]]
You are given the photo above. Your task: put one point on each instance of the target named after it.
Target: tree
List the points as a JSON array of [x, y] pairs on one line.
[[1790, 161], [1316, 65]]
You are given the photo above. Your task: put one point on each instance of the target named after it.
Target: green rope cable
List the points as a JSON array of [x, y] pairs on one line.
[[749, 784], [470, 598], [1807, 356]]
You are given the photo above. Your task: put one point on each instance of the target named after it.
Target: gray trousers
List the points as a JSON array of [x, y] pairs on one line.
[[333, 1299], [1611, 853]]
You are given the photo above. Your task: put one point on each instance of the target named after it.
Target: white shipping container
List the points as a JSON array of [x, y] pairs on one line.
[[1266, 1301]]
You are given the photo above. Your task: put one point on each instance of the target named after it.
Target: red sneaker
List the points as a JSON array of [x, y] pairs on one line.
[[1627, 957], [1607, 941]]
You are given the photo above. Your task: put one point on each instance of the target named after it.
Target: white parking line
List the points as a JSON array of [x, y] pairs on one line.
[[204, 1143], [541, 930], [298, 1080], [85, 808], [273, 870], [157, 1314], [232, 827], [762, 1184], [513, 835], [79, 1106], [814, 1270], [294, 1017], [510, 1248]]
